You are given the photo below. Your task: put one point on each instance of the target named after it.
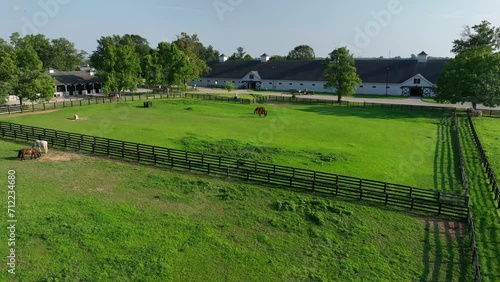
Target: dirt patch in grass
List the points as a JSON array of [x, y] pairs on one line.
[[453, 228], [58, 157]]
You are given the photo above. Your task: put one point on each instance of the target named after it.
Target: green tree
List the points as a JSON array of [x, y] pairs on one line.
[[278, 58], [152, 69], [483, 34], [240, 54], [472, 76], [117, 64], [340, 73], [138, 43], [175, 66], [64, 55], [211, 54], [194, 50], [7, 73], [229, 86], [301, 52], [31, 81]]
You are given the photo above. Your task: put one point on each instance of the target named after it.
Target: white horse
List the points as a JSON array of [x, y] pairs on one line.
[[41, 144]]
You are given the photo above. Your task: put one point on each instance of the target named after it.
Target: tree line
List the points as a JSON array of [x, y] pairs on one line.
[[124, 62]]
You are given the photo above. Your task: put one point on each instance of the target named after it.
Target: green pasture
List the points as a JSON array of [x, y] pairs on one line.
[[84, 218], [484, 206], [407, 147], [488, 130]]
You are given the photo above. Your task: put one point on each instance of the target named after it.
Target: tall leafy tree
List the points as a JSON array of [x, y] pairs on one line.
[[139, 43], [31, 80], [195, 52], [340, 73], [301, 52], [211, 54], [152, 70], [240, 54], [64, 55], [483, 34], [472, 76], [8, 72], [175, 66], [117, 64]]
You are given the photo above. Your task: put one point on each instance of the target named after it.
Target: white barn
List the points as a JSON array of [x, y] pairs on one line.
[[396, 77]]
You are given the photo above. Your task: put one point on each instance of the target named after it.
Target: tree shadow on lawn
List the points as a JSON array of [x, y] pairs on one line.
[[371, 113]]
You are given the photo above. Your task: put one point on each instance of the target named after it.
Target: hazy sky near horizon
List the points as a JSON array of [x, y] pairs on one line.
[[369, 28]]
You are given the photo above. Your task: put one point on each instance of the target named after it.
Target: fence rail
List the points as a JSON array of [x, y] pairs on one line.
[[311, 100], [35, 107], [486, 163], [402, 196], [470, 219]]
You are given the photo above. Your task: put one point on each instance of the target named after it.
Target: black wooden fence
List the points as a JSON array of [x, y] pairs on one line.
[[470, 220], [35, 107], [322, 101], [395, 195], [486, 163]]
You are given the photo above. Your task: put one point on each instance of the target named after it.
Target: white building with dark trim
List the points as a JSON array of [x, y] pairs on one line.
[[408, 77]]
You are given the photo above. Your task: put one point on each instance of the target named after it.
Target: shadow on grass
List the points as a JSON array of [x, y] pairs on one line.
[[486, 216], [371, 113], [446, 162], [447, 256]]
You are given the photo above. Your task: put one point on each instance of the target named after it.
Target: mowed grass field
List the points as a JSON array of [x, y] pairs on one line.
[[411, 148], [84, 218], [484, 206], [488, 130]]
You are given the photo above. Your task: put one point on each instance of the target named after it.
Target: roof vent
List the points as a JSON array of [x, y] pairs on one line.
[[223, 58], [422, 57], [264, 58]]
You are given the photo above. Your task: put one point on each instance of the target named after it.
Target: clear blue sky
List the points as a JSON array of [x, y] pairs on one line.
[[270, 26]]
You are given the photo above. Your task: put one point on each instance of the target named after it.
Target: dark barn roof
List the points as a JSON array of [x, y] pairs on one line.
[[370, 70], [73, 77]]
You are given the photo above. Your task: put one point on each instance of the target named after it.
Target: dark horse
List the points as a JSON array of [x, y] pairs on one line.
[[34, 153], [261, 111]]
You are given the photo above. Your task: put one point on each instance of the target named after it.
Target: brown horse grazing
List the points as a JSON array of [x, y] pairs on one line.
[[34, 153], [261, 111]]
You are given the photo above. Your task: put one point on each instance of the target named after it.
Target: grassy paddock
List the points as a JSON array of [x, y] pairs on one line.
[[83, 218], [488, 130], [486, 216], [404, 147]]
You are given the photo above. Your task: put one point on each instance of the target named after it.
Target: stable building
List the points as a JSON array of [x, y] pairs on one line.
[[72, 83], [407, 77]]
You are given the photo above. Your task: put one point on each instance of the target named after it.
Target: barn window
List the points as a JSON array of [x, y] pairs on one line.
[[416, 81], [314, 85], [291, 83], [270, 83], [280, 83], [302, 84], [374, 86], [251, 76], [361, 86]]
